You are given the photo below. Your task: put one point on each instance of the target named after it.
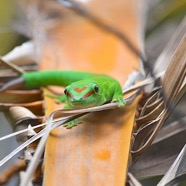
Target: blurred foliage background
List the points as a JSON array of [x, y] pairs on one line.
[[10, 15], [163, 18]]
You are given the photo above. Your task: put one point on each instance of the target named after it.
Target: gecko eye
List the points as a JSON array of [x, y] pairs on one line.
[[96, 89], [65, 91]]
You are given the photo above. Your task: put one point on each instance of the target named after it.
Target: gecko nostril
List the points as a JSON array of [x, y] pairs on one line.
[[77, 99]]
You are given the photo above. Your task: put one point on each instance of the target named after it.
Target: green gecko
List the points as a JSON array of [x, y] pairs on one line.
[[82, 90]]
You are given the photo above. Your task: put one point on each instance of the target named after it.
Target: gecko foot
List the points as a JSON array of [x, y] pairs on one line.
[[71, 124], [120, 100]]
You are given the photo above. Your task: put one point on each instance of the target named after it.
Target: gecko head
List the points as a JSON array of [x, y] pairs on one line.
[[83, 94]]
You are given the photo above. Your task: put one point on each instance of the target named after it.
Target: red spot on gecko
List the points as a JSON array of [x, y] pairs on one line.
[[80, 89], [70, 95], [88, 94]]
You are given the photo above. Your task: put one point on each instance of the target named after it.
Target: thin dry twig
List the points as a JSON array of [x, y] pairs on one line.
[[66, 116], [12, 66]]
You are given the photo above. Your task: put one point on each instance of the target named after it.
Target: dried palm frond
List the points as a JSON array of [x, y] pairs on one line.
[[18, 105], [159, 156], [177, 171], [158, 105]]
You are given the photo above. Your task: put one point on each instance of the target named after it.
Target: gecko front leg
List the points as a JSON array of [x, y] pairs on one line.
[[120, 100], [72, 123]]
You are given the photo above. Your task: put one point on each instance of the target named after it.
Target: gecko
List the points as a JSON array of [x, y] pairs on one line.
[[82, 89]]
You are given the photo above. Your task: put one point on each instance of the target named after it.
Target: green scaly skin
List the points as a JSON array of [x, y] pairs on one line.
[[83, 89]]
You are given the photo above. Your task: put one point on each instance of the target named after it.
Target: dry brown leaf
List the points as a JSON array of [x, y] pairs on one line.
[[159, 156], [173, 88]]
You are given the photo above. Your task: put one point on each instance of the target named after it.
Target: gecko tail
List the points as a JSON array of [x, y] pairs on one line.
[[12, 85]]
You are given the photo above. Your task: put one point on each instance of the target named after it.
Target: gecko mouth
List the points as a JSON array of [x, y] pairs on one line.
[[76, 103], [80, 104]]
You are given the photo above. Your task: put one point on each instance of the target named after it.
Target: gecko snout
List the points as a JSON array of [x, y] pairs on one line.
[[77, 99]]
